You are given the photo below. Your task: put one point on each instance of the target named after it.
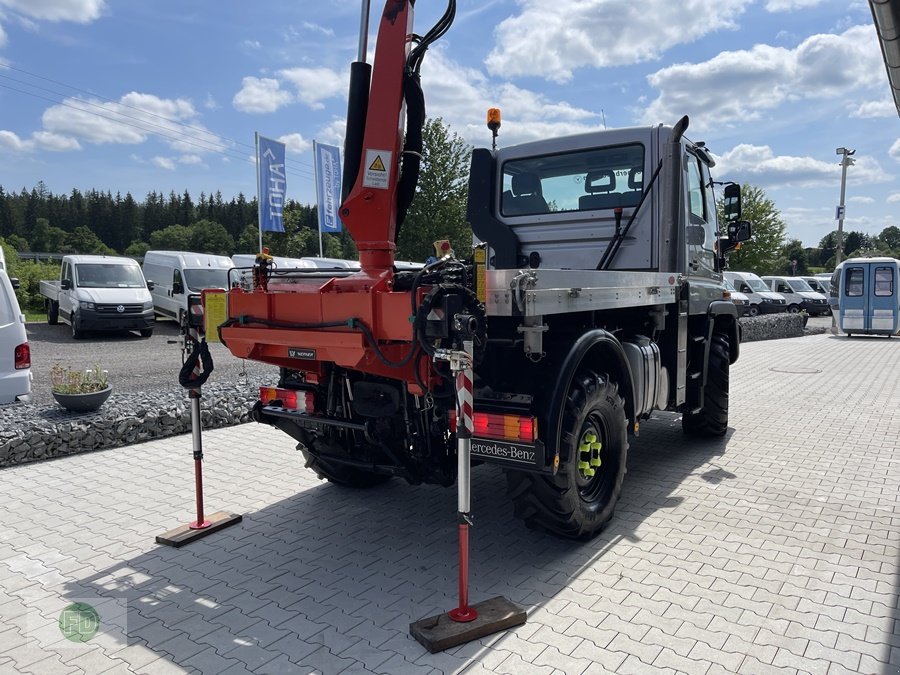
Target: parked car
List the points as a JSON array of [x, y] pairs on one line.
[[762, 299], [178, 274], [819, 284], [99, 293], [15, 352], [741, 300], [799, 295], [868, 291]]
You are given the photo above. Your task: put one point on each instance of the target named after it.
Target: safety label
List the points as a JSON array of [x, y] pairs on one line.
[[215, 313], [377, 169]]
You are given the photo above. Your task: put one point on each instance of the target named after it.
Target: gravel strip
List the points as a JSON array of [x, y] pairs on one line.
[[32, 431]]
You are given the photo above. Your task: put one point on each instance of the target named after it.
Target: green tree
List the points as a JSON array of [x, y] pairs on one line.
[[171, 238], [762, 253], [891, 237], [438, 210], [83, 240], [137, 249], [210, 237]]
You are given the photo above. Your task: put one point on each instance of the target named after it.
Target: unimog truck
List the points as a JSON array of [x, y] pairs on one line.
[[592, 297]]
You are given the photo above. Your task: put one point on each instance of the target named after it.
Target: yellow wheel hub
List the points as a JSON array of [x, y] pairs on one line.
[[589, 454]]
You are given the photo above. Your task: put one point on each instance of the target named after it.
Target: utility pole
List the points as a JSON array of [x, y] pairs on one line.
[[846, 160]]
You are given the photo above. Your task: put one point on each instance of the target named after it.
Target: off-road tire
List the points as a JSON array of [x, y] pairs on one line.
[[570, 504], [712, 420], [339, 474], [52, 312]]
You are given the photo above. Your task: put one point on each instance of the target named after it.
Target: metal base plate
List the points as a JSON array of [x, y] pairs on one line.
[[437, 633], [185, 534]]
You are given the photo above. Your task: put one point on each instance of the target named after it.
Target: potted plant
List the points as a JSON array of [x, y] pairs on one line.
[[80, 391]]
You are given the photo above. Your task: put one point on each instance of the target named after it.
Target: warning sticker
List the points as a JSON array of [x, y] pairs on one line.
[[378, 171]]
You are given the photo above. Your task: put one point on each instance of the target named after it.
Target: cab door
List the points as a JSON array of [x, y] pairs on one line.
[[854, 294], [66, 296], [701, 237], [882, 310]]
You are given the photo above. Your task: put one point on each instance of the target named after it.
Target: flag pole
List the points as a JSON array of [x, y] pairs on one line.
[[259, 209], [319, 209]]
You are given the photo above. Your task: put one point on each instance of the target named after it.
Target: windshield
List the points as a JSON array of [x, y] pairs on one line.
[[799, 284], [108, 275], [729, 285], [757, 285], [198, 279]]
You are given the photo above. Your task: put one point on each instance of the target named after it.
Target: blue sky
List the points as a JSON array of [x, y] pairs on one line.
[[164, 95]]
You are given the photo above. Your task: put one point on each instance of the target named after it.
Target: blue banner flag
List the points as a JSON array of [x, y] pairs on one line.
[[328, 186], [271, 183]]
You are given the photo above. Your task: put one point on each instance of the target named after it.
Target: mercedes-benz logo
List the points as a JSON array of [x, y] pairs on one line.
[[120, 309]]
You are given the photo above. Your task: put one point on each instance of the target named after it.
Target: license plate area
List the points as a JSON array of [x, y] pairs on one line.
[[522, 456]]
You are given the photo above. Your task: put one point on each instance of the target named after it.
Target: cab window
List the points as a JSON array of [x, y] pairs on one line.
[[884, 282], [854, 282]]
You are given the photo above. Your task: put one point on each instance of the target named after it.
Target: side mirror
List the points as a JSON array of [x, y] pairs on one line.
[[65, 284], [731, 206], [177, 287], [150, 285], [15, 283]]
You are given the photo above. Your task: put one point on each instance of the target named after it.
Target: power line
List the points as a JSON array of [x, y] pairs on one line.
[[125, 105], [183, 139]]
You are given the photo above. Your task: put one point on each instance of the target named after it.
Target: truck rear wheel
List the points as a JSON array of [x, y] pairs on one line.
[[52, 312], [341, 474], [712, 420], [580, 500]]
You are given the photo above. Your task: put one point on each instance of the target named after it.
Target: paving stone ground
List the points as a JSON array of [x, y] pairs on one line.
[[774, 549]]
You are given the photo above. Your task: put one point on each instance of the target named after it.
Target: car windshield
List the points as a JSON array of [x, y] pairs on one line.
[[799, 284], [757, 285], [108, 275], [212, 277]]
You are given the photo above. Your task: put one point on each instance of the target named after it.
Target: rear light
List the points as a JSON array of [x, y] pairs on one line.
[[289, 399], [506, 427], [23, 356]]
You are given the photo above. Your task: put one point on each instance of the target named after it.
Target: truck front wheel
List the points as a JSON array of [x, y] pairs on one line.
[[52, 312], [77, 332], [712, 420], [580, 500]]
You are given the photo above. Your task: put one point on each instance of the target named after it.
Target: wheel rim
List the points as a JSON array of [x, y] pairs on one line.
[[591, 472]]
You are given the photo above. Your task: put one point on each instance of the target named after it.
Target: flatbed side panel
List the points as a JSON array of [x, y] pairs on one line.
[[543, 292]]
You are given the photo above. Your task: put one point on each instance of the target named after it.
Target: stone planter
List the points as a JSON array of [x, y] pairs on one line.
[[88, 402]]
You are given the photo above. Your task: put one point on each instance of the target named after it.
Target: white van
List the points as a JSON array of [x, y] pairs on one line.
[[762, 300], [178, 274], [15, 353], [799, 295]]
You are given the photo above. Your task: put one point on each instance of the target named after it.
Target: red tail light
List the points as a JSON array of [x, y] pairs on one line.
[[290, 399], [509, 427], [23, 356]]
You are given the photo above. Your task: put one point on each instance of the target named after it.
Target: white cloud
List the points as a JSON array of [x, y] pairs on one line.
[[164, 163], [759, 165], [315, 85], [316, 28], [210, 103], [3, 39], [190, 159], [55, 142], [11, 141], [790, 5], [861, 200], [79, 11], [895, 150], [893, 198], [551, 39], [295, 143], [455, 91], [252, 44], [132, 119], [882, 108], [260, 95], [739, 86]]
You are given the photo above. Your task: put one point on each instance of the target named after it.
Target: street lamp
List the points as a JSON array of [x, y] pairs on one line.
[[846, 160]]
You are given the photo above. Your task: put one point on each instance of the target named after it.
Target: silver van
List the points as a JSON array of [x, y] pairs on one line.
[[762, 299], [799, 295], [178, 274]]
